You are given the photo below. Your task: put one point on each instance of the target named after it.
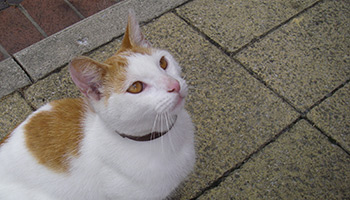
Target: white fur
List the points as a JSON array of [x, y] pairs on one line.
[[109, 166]]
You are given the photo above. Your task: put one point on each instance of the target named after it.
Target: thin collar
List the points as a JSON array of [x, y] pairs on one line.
[[147, 137]]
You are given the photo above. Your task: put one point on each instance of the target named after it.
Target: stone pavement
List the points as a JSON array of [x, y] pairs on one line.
[[269, 89], [25, 22]]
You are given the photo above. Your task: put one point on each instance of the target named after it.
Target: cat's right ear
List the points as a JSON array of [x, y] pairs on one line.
[[87, 75]]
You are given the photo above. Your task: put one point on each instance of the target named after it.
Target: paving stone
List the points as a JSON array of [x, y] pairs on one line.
[[12, 77], [13, 110], [58, 49], [88, 7], [332, 116], [233, 113], [51, 16], [105, 51], [56, 86], [234, 23], [16, 31], [2, 57], [300, 164], [306, 59]]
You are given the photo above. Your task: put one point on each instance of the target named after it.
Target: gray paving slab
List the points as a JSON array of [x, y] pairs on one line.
[[307, 58], [13, 110], [234, 23], [105, 51], [233, 112], [58, 49], [56, 86], [300, 164], [12, 77], [333, 116]]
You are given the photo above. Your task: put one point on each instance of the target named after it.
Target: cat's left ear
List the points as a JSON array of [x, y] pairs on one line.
[[87, 75], [133, 36]]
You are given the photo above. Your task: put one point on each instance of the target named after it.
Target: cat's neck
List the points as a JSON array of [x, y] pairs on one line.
[[150, 136]]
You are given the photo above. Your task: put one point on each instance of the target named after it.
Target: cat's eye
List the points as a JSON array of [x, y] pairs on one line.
[[136, 87], [163, 63]]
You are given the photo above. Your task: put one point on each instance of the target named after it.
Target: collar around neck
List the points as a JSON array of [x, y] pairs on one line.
[[148, 137]]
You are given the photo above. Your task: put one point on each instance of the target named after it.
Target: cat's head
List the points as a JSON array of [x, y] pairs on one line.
[[137, 90]]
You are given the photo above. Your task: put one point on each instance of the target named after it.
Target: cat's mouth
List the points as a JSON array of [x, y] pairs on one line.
[[150, 136]]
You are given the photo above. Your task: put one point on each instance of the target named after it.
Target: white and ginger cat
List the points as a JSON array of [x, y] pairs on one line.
[[128, 138]]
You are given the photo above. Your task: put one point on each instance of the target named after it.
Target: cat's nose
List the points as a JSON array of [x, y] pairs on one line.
[[173, 86]]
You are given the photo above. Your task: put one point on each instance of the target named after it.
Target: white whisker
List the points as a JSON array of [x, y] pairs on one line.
[[162, 143], [154, 129], [170, 141]]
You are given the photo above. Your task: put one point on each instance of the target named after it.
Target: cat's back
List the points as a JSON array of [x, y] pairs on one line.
[[49, 134], [42, 145]]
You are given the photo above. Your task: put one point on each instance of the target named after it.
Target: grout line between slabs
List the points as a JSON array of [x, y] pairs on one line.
[[257, 77], [36, 25], [24, 70], [330, 138], [304, 115], [218, 181], [317, 103], [184, 3], [4, 52], [21, 93], [81, 16]]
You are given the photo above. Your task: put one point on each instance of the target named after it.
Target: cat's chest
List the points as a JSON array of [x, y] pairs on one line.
[[122, 167], [146, 180], [144, 176]]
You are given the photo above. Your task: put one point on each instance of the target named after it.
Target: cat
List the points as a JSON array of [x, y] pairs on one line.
[[127, 137]]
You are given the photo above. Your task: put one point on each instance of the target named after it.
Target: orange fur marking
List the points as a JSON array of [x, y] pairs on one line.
[[115, 76], [54, 136]]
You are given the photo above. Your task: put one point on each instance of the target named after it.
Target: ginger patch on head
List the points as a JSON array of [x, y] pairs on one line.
[[116, 74], [53, 137]]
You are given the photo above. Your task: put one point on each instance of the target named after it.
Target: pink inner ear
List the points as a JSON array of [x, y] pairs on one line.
[[78, 80], [85, 82]]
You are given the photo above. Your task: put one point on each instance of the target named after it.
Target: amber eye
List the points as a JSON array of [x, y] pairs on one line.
[[163, 63], [136, 87]]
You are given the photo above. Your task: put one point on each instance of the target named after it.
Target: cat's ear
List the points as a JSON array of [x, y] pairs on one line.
[[133, 36], [87, 75]]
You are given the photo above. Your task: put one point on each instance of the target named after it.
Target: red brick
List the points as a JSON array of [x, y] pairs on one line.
[[52, 16], [89, 7], [16, 31], [2, 57]]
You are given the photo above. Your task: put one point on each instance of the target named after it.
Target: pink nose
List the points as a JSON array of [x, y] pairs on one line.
[[173, 86]]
